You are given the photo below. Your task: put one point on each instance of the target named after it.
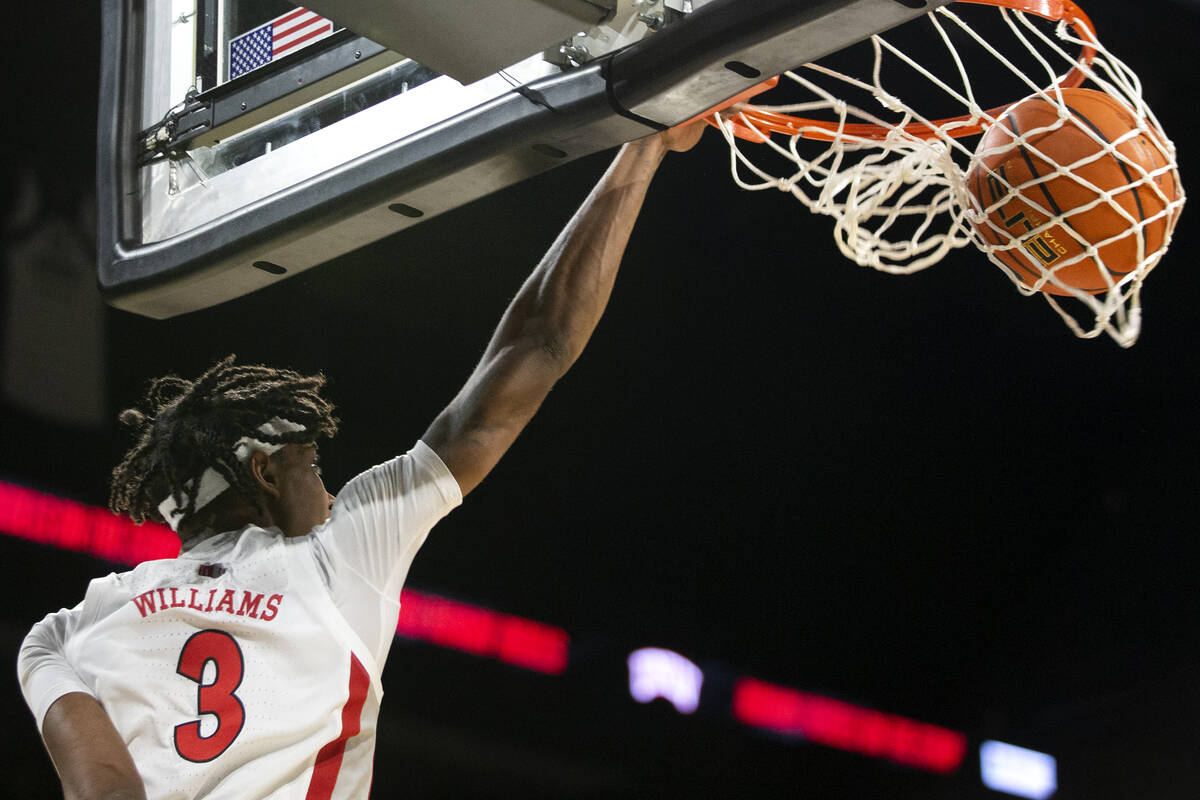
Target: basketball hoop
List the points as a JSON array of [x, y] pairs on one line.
[[903, 183]]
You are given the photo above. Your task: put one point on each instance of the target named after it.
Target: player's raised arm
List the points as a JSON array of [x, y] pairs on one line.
[[552, 317]]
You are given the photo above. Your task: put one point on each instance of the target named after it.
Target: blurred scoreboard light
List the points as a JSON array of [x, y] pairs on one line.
[[845, 726], [480, 631], [1017, 771], [654, 672], [70, 525]]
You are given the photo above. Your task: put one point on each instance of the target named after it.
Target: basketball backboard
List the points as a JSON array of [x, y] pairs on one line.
[[245, 141]]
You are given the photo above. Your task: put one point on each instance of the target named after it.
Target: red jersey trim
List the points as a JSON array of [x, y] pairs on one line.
[[329, 760]]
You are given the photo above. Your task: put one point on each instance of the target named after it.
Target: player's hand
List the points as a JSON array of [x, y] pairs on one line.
[[683, 137]]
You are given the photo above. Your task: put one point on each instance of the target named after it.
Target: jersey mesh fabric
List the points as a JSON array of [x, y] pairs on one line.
[[288, 642]]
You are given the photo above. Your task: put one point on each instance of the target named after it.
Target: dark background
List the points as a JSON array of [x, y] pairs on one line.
[[920, 494]]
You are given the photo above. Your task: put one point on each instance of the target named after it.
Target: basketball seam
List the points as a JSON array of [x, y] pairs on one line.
[[1137, 199], [1050, 198], [1001, 253], [1033, 171], [1041, 186]]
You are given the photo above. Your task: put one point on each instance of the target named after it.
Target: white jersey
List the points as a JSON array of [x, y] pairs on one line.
[[250, 665]]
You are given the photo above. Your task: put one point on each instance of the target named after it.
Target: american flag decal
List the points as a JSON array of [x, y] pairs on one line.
[[285, 34]]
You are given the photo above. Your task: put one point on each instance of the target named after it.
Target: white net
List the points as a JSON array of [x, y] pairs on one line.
[[1079, 218]]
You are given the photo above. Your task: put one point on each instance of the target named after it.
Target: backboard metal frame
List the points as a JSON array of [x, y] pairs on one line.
[[344, 187]]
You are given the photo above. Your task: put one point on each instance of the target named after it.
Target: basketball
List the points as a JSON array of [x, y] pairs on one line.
[[1015, 184]]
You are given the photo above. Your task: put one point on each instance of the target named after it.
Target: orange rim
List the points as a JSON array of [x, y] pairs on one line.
[[757, 88], [765, 122]]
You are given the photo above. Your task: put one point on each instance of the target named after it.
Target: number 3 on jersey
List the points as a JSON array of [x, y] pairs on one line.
[[216, 698]]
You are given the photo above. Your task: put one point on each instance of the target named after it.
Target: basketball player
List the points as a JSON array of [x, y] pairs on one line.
[[249, 666]]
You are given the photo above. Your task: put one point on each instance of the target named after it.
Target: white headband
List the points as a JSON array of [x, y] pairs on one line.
[[212, 484]]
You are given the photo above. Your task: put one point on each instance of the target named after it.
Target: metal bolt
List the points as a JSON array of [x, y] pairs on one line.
[[575, 54], [357, 54], [652, 20], [243, 106]]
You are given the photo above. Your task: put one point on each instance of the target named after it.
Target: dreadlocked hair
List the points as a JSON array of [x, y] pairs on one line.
[[189, 426]]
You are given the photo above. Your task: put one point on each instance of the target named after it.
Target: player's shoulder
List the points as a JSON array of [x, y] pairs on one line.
[[419, 467]]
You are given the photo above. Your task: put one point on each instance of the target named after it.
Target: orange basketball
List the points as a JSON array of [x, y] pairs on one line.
[[1012, 222]]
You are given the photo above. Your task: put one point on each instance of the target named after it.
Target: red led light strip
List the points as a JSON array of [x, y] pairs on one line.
[[483, 632], [46, 519], [847, 727]]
